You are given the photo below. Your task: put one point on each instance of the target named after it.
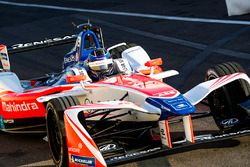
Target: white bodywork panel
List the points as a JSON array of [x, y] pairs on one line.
[[95, 93], [188, 128], [76, 91], [199, 92], [165, 74], [9, 81], [165, 133], [134, 111], [136, 56]]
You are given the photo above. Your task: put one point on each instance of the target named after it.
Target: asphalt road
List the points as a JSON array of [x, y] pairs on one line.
[[187, 46]]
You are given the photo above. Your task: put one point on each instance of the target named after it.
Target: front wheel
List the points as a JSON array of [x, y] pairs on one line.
[[55, 128], [224, 102]]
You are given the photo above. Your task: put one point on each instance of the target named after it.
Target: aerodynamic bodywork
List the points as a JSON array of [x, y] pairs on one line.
[[127, 116], [122, 117]]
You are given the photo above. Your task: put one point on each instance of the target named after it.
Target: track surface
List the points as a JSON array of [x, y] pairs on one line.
[[189, 47]]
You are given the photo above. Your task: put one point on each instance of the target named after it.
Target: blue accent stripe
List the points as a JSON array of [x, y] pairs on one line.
[[1, 123], [172, 107]]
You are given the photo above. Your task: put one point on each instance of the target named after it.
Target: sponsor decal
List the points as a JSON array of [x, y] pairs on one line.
[[211, 137], [8, 121], [87, 161], [76, 149], [108, 147], [87, 101], [135, 154], [69, 59], [179, 106], [4, 56], [163, 133], [169, 93], [122, 65], [46, 41], [229, 122], [18, 107]]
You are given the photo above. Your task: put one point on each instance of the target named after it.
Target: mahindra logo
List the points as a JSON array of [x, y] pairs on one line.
[[13, 107], [229, 122], [107, 147]]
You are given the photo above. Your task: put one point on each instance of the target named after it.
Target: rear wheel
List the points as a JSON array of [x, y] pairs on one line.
[[224, 101], [116, 53], [55, 128]]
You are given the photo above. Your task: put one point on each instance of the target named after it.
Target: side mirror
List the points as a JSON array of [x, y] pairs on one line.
[[154, 62], [75, 78]]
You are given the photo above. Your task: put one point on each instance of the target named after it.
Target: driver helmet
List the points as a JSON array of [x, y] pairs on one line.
[[100, 64]]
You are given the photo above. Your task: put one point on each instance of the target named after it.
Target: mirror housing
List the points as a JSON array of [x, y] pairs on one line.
[[75, 78]]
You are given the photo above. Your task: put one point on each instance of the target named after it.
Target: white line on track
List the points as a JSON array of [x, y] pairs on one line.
[[152, 16]]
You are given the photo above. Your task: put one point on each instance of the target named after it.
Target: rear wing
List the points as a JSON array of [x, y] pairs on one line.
[[48, 42], [23, 47]]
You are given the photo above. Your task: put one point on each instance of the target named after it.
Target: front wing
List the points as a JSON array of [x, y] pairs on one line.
[[83, 151]]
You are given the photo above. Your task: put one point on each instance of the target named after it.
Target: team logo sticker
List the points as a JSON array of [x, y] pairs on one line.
[[229, 122], [87, 161]]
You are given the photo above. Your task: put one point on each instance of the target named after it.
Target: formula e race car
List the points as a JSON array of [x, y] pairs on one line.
[[125, 116]]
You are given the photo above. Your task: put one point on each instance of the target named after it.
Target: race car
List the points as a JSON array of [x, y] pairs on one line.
[[122, 117], [126, 117]]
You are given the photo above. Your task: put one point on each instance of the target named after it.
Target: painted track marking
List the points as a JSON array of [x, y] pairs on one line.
[[151, 16]]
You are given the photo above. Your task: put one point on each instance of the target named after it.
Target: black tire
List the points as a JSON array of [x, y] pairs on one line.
[[224, 101], [55, 128], [116, 53]]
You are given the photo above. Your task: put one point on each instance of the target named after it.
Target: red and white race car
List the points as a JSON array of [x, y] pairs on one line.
[[126, 116]]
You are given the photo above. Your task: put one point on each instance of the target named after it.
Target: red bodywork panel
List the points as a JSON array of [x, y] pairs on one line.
[[144, 84], [82, 149], [24, 105]]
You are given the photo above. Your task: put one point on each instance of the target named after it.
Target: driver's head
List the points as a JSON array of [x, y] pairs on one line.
[[100, 63]]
